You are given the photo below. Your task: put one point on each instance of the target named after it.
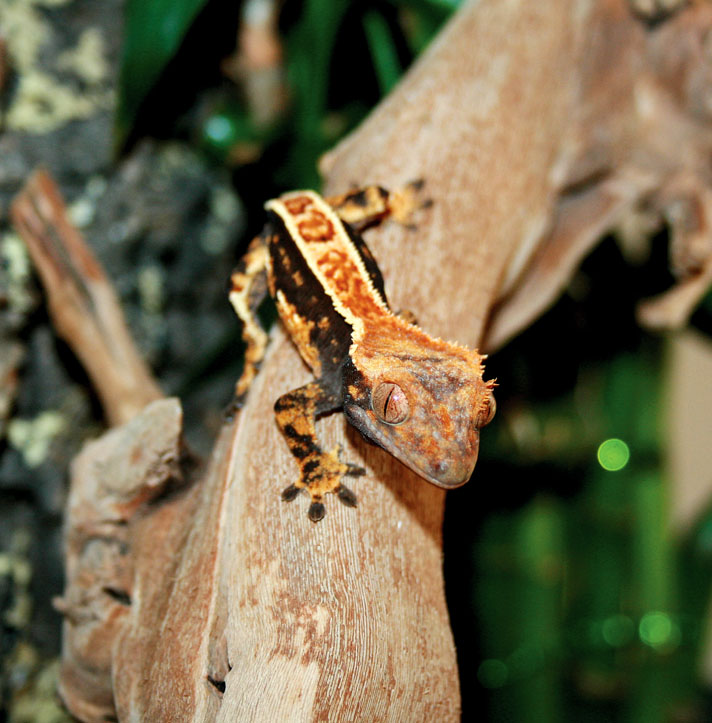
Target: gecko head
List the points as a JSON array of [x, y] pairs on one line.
[[426, 410]]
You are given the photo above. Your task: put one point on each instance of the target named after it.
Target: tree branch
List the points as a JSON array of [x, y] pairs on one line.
[[82, 301]]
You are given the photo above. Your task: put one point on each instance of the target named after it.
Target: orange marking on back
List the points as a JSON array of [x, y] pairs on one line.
[[316, 227], [297, 204], [346, 280]]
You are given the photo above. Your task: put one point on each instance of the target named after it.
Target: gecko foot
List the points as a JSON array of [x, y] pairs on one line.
[[406, 202], [318, 479], [317, 510]]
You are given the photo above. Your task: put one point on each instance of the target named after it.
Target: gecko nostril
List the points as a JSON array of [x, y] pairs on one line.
[[440, 468]]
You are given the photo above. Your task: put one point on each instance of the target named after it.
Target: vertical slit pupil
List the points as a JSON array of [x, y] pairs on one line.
[[386, 404]]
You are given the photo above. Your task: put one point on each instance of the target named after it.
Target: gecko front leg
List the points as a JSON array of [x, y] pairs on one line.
[[320, 472]]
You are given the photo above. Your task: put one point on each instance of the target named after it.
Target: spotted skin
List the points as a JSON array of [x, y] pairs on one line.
[[420, 398]]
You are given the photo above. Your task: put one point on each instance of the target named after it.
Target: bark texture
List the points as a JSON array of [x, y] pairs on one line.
[[537, 128]]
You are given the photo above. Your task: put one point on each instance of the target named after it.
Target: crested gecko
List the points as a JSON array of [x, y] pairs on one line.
[[420, 398]]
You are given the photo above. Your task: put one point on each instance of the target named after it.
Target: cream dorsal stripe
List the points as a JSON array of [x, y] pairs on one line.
[[331, 257]]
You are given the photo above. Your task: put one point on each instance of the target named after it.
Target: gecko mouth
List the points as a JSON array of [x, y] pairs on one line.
[[447, 474]]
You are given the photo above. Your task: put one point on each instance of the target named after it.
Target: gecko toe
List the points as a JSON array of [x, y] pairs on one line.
[[353, 470], [346, 496], [289, 493], [316, 511]]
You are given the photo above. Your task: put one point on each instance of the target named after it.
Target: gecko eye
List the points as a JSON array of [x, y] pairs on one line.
[[389, 403], [486, 412]]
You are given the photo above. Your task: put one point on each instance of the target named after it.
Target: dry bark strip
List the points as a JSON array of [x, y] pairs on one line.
[[84, 307], [537, 127]]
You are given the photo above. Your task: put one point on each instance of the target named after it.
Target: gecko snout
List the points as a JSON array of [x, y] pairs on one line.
[[454, 471]]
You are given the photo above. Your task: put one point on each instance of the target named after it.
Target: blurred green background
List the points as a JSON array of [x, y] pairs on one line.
[[571, 597]]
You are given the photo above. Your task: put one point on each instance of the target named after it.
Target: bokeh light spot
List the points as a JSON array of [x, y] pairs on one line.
[[219, 129], [658, 630], [617, 630], [492, 673], [613, 454]]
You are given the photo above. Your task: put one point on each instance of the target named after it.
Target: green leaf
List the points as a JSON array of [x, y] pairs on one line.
[[311, 45], [154, 31], [383, 51]]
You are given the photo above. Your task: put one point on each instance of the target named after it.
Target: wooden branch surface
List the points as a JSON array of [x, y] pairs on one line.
[[536, 127]]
